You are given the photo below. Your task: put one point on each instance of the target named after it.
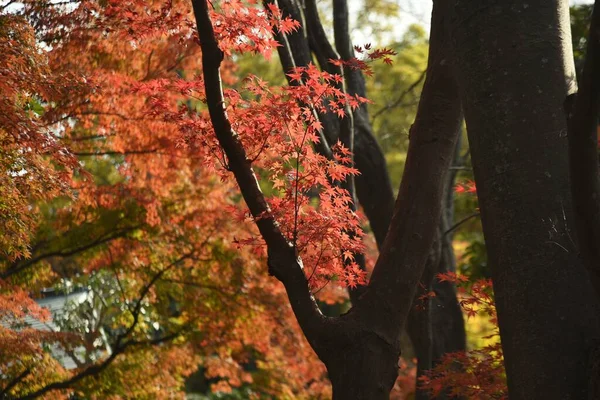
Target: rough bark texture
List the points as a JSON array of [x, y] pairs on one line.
[[514, 66]]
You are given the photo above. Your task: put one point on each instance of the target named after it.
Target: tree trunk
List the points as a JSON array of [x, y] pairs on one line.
[[366, 365], [447, 319], [435, 325], [515, 70]]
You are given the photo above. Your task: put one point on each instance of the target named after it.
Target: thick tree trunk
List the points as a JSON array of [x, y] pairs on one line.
[[583, 151], [435, 327], [366, 370], [515, 68]]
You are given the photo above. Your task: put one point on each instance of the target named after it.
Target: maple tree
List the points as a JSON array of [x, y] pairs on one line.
[[144, 222], [360, 349], [127, 139]]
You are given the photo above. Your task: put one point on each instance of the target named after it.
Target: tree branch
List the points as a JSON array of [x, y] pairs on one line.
[[343, 44], [113, 153], [294, 52], [120, 345], [417, 213], [283, 261], [400, 98], [462, 221], [14, 382], [373, 185], [19, 266]]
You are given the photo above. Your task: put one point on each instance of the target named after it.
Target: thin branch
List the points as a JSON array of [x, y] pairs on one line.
[[197, 285], [19, 266], [88, 137], [462, 221], [14, 382], [283, 261], [4, 7], [400, 98], [112, 264], [93, 112], [120, 344], [113, 153], [231, 298], [98, 368]]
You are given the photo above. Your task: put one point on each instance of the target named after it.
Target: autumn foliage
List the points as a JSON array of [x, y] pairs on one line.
[[106, 124], [478, 373], [113, 181]]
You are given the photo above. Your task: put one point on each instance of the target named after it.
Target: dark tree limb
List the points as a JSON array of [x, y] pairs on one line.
[[18, 379], [334, 128], [400, 98], [325, 52], [435, 324], [447, 319], [583, 153], [283, 261], [289, 61], [318, 40], [385, 306], [462, 221], [419, 321], [373, 185], [113, 153], [343, 44], [19, 266], [418, 206]]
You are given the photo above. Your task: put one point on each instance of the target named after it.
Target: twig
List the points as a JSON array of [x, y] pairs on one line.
[[399, 100], [462, 221], [14, 382]]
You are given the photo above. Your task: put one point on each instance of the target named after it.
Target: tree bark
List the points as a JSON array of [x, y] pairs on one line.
[[447, 319], [435, 325], [515, 70], [583, 152], [385, 306]]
